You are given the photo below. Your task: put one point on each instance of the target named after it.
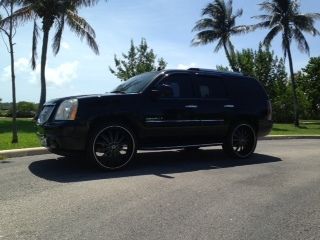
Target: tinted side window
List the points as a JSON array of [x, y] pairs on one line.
[[209, 87], [180, 85], [245, 89]]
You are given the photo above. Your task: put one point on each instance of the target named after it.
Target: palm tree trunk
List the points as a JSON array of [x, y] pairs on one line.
[[13, 81], [43, 69], [231, 63], [294, 89]]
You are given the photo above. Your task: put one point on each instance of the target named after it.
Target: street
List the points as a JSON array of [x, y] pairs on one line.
[[166, 195]]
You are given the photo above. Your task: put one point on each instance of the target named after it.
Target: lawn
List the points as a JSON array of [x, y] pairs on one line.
[[28, 137], [26, 133], [307, 127]]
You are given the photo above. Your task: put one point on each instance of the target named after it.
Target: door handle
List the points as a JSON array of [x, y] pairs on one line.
[[191, 106], [229, 106]]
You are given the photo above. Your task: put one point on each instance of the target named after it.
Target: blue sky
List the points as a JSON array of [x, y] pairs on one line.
[[166, 24]]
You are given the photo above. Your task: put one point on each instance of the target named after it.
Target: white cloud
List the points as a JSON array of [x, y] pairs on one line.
[[56, 76], [21, 66], [186, 66], [65, 45]]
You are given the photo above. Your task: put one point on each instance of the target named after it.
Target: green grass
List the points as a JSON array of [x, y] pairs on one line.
[[26, 133], [307, 127], [28, 138]]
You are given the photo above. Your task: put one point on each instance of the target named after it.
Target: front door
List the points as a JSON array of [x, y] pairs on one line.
[[170, 118]]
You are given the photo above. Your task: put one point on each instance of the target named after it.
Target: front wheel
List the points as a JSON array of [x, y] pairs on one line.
[[241, 141], [112, 147]]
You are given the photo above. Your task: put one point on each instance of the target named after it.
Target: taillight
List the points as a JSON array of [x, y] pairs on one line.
[[269, 110]]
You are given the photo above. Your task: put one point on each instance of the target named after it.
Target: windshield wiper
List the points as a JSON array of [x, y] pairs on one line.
[[118, 91]]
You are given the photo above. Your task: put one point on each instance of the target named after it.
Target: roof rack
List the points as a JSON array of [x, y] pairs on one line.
[[215, 71]]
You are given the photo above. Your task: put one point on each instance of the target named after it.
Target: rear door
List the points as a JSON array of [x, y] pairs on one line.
[[214, 106]]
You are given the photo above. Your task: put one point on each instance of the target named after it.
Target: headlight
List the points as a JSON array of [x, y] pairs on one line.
[[67, 110]]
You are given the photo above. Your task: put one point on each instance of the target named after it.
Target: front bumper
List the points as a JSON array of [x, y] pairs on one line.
[[63, 137]]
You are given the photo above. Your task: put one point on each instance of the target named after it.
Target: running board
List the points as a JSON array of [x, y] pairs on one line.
[[180, 146]]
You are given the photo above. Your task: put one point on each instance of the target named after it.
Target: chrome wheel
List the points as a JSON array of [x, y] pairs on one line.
[[113, 147], [243, 141]]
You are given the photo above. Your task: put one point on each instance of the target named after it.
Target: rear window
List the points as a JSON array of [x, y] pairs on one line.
[[209, 87]]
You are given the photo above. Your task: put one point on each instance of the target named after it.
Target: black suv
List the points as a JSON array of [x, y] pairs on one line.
[[159, 110]]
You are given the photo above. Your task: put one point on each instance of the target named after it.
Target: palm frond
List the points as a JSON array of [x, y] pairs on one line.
[[203, 24], [228, 9], [238, 13], [81, 22], [305, 23], [263, 17], [315, 16], [230, 47], [35, 36], [301, 40], [271, 35], [267, 6], [241, 29], [84, 3], [22, 15], [219, 46], [265, 24], [205, 37], [57, 37], [83, 30]]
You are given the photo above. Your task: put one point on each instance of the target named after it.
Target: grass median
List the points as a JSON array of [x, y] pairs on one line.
[[28, 138], [307, 127], [26, 133]]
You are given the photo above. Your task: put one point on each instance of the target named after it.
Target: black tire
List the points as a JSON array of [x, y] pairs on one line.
[[241, 141], [111, 146]]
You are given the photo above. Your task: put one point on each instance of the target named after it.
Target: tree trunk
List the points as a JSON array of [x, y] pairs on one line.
[[43, 68], [13, 81], [231, 63], [294, 89]]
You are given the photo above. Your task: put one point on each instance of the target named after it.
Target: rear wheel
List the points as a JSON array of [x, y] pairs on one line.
[[112, 147], [241, 141]]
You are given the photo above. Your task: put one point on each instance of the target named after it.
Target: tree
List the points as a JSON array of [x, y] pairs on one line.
[[53, 13], [309, 82], [10, 30], [264, 66], [139, 59], [219, 24], [283, 16]]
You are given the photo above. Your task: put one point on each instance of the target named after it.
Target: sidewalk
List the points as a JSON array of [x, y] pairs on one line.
[[41, 150]]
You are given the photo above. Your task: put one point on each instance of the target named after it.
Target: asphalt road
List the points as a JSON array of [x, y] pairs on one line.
[[166, 195]]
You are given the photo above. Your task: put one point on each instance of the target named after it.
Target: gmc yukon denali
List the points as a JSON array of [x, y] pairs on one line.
[[166, 109]]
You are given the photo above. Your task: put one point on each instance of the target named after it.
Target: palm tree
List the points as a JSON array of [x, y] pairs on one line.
[[283, 16], [54, 13], [8, 6], [219, 24]]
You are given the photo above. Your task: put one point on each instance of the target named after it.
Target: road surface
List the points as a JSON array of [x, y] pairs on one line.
[[166, 195]]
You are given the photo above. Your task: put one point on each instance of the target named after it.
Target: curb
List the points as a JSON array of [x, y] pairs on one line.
[[41, 150], [23, 152], [283, 137]]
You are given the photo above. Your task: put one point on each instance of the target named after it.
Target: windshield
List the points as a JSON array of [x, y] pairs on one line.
[[136, 84]]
